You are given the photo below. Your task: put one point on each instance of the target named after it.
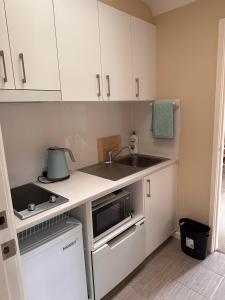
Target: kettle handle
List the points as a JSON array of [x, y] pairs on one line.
[[70, 153]]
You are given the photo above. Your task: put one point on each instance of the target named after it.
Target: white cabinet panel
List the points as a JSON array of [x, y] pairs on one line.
[[117, 259], [160, 206], [6, 72], [116, 53], [77, 34], [144, 59], [32, 33]]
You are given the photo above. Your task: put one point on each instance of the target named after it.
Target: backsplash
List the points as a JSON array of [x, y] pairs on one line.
[[30, 128]]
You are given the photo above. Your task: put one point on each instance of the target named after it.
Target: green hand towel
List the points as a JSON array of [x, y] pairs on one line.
[[163, 120]]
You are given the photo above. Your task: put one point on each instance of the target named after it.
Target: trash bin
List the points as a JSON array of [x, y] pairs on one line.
[[194, 238]]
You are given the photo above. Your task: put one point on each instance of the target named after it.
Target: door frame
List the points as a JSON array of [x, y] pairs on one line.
[[10, 268], [218, 140]]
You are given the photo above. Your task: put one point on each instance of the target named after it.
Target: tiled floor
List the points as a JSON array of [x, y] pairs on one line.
[[170, 274]]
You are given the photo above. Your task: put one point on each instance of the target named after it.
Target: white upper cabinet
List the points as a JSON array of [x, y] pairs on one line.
[[77, 34], [33, 44], [6, 72], [144, 59], [116, 53]]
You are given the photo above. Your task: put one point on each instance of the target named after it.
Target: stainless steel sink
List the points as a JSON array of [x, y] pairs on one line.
[[122, 167], [140, 161]]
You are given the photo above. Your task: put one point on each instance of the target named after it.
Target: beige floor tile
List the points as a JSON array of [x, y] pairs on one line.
[[177, 291], [220, 293], [215, 262], [128, 293], [201, 280]]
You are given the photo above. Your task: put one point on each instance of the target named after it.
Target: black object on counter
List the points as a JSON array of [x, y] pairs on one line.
[[194, 238]]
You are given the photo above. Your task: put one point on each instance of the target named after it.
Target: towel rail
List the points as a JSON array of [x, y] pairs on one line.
[[175, 105]]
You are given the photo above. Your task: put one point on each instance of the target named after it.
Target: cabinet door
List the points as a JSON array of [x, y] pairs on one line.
[[77, 33], [33, 44], [160, 206], [6, 72], [144, 59], [116, 54], [10, 274]]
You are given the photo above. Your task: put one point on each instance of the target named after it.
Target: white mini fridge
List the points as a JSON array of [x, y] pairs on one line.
[[53, 263]]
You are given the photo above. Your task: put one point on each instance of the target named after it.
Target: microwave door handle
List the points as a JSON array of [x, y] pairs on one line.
[[106, 202]]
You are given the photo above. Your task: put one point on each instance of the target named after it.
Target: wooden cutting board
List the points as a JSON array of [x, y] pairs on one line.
[[107, 144]]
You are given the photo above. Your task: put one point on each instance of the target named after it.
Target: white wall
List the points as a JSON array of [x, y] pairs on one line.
[[30, 128]]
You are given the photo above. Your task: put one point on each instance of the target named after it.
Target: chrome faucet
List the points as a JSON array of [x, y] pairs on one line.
[[112, 157]]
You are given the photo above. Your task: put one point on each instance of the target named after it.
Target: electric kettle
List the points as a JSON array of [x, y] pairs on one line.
[[57, 168]]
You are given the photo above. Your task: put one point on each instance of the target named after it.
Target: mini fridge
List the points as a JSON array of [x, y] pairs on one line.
[[53, 264]]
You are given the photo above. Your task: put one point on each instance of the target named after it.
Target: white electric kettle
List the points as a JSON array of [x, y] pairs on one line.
[[57, 168]]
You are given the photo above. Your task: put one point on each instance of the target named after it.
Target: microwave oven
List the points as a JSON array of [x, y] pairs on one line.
[[110, 212]]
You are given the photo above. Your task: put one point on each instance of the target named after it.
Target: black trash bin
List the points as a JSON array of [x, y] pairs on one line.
[[194, 238]]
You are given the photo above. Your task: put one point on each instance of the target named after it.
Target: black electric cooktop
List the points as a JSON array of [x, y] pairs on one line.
[[30, 199]]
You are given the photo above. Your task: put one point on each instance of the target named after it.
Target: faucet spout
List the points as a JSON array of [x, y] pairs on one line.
[[112, 157]]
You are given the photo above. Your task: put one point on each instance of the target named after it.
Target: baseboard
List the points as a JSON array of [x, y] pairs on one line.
[[176, 235]]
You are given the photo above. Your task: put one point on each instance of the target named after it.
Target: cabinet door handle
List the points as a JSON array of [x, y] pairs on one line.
[[138, 87], [24, 79], [5, 79], [99, 85], [149, 188], [108, 83]]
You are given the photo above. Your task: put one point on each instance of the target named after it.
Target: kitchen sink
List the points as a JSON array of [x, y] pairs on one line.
[[123, 166], [140, 161]]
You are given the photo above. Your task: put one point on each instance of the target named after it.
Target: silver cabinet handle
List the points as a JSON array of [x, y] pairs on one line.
[[5, 79], [99, 85], [108, 82], [24, 79], [138, 87], [149, 188]]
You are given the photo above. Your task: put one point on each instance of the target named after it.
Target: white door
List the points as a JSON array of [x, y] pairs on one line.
[[144, 59], [10, 270], [6, 71], [33, 44], [77, 33], [116, 53], [160, 206]]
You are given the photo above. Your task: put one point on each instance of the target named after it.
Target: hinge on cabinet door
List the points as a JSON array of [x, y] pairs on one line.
[[3, 220], [8, 249]]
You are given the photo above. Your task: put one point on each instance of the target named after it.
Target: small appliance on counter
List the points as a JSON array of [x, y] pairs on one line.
[[30, 199], [57, 168]]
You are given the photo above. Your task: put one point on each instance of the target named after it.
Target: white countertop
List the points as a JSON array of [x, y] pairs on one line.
[[81, 188]]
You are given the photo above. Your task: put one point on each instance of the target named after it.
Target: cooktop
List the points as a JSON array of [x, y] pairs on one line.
[[30, 199]]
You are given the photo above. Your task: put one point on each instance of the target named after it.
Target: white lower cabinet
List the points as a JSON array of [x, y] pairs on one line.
[[160, 206], [118, 258]]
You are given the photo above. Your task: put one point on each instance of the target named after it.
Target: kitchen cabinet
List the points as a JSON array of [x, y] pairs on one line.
[[10, 273], [6, 71], [77, 34], [160, 206], [116, 53], [33, 44], [144, 59]]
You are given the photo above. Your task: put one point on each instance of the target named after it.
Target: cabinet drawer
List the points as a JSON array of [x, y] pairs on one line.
[[116, 259]]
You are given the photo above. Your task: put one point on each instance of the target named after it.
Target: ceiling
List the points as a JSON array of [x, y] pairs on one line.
[[162, 6]]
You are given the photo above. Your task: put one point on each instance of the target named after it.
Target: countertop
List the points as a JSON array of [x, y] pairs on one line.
[[81, 188]]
